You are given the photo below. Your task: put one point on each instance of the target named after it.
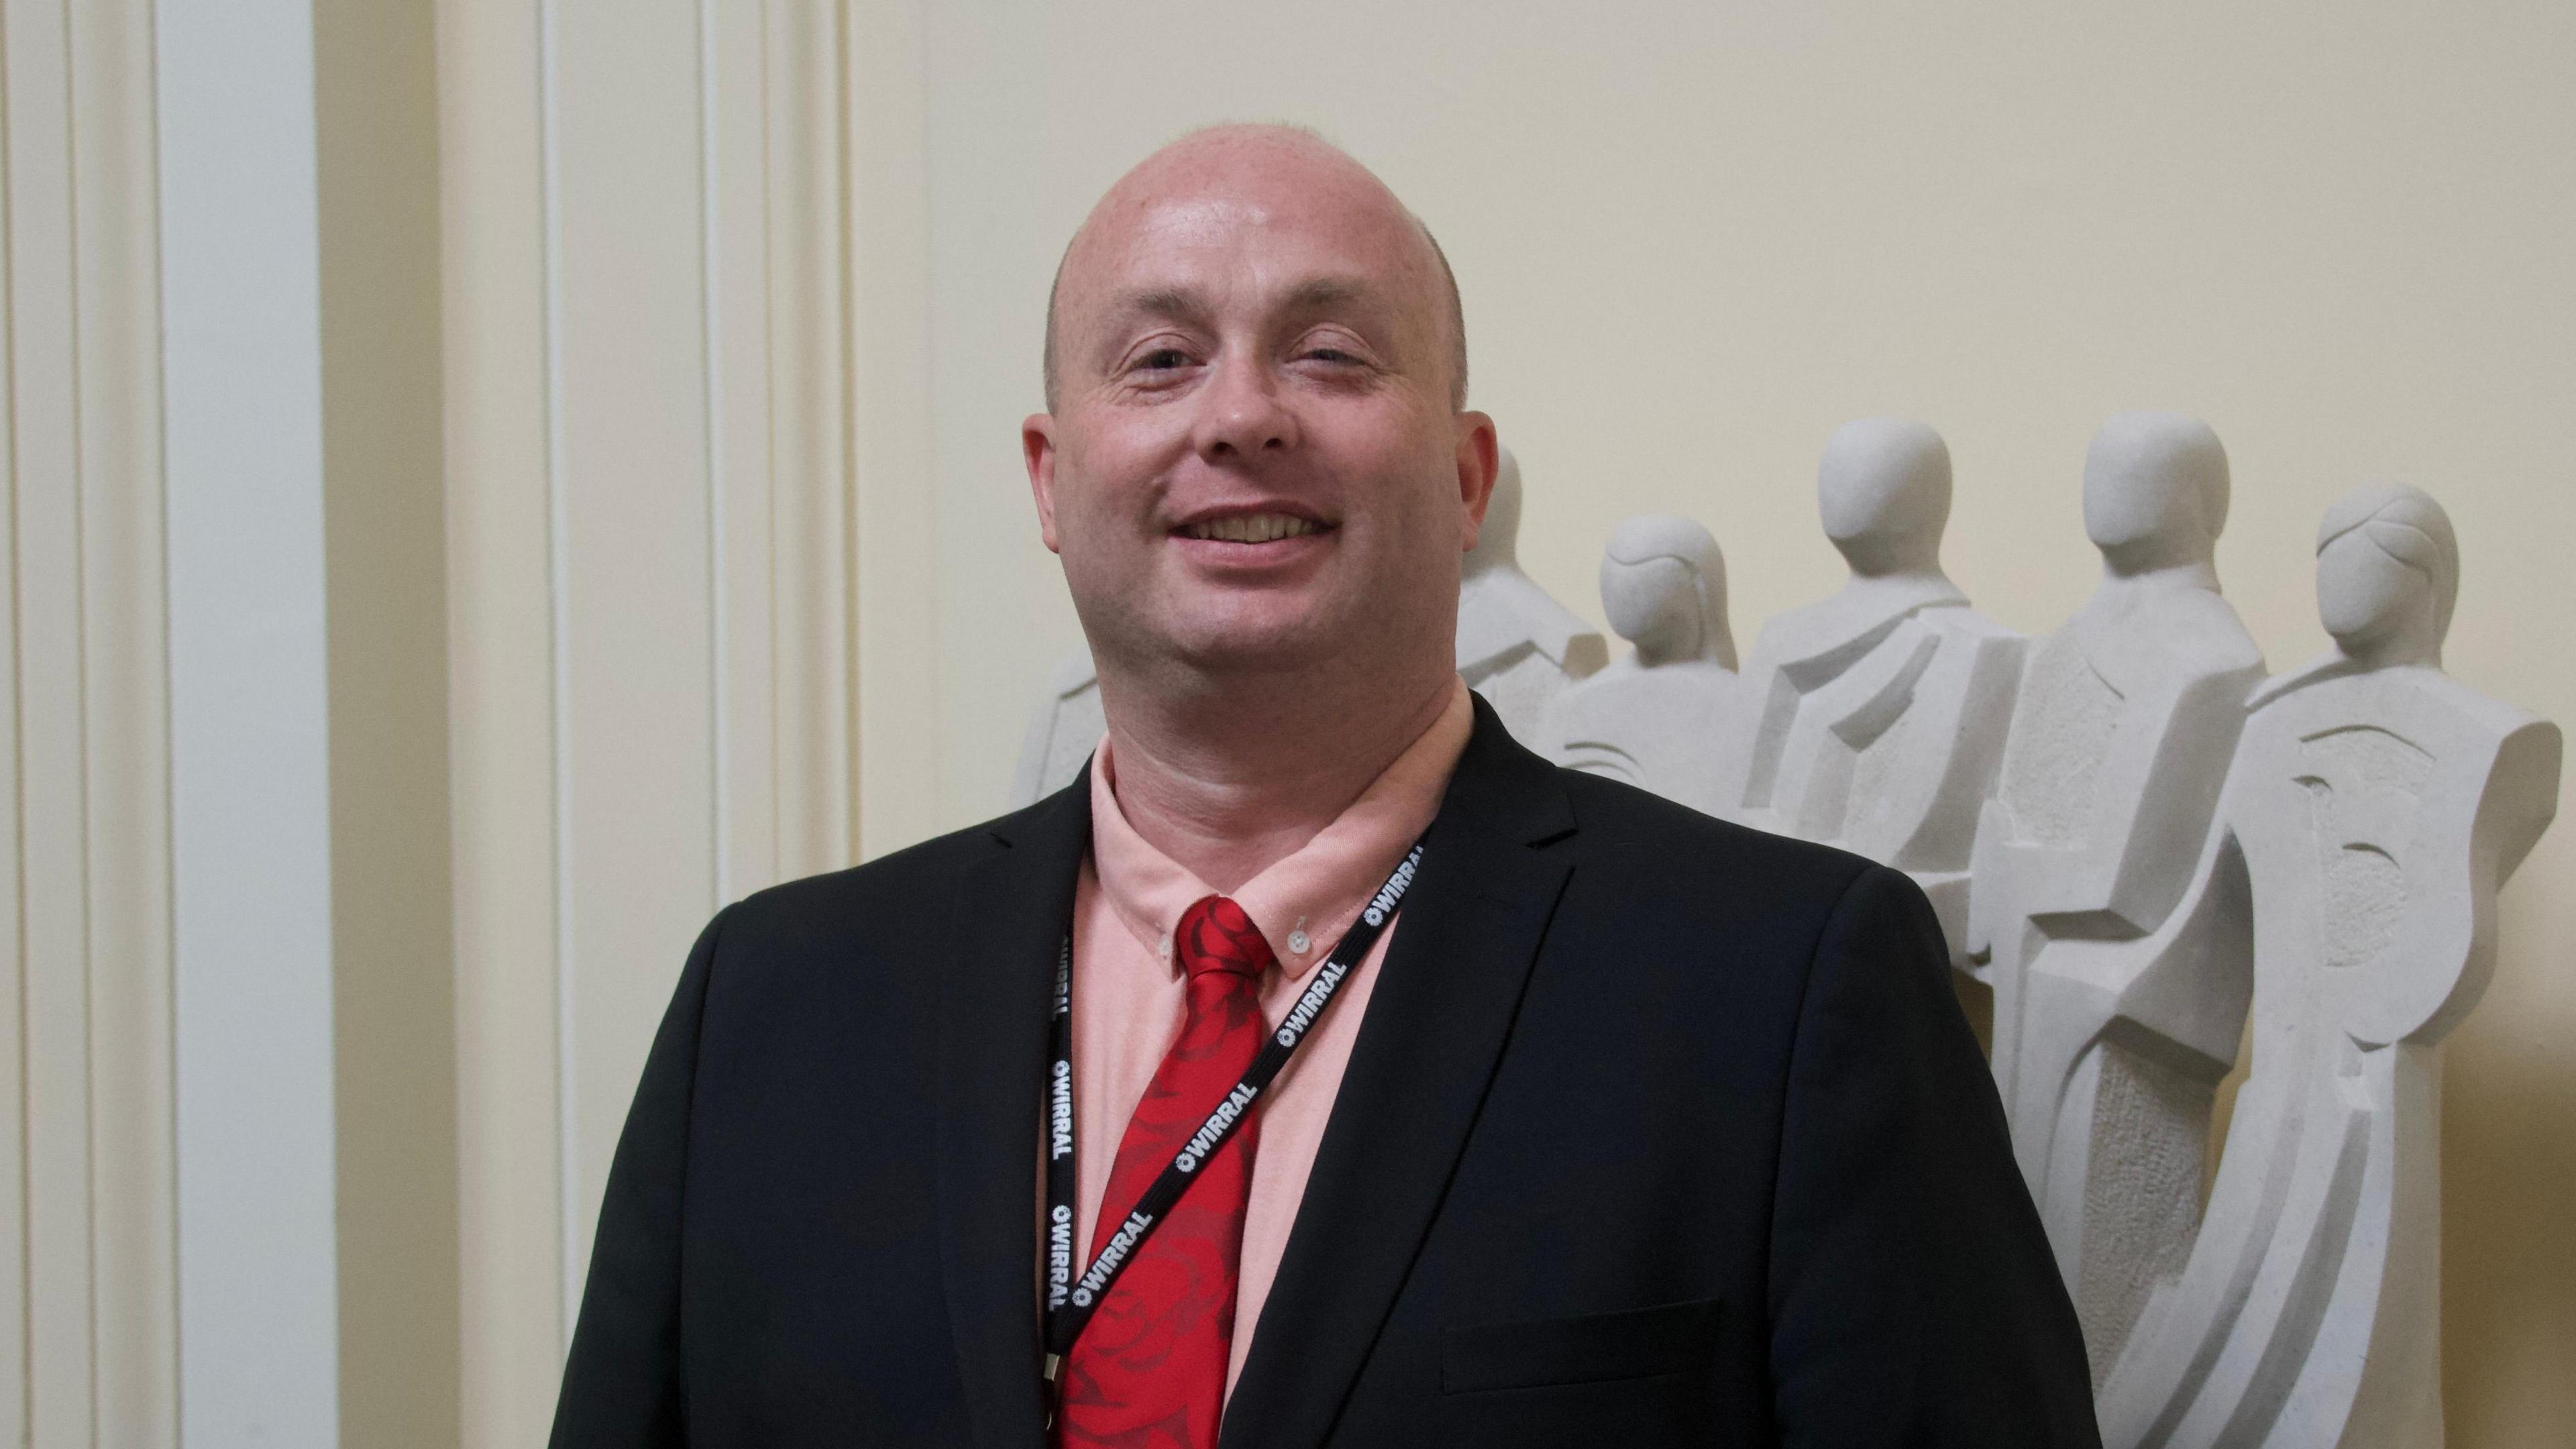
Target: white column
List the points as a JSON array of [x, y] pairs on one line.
[[251, 847]]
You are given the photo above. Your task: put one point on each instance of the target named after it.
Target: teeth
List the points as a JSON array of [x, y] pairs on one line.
[[1253, 528]]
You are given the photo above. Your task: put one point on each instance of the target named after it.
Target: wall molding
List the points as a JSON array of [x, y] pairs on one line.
[[651, 573], [88, 1284]]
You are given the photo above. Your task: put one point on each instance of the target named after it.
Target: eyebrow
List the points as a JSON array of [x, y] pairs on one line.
[[1324, 292], [1180, 304]]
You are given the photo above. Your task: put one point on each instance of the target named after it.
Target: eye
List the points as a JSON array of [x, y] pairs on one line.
[[1329, 354], [1163, 359]]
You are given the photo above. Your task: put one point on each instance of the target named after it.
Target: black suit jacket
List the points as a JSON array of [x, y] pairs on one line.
[[1658, 1131]]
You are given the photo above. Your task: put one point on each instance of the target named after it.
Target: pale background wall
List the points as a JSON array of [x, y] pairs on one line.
[[670, 359]]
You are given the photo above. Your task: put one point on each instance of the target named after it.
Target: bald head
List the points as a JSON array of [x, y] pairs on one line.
[[1262, 166]]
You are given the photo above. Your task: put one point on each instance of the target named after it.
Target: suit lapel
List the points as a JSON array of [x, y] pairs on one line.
[[1010, 915], [1437, 1020]]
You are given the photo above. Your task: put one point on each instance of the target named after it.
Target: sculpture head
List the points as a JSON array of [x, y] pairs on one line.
[[1884, 492], [1498, 538], [1255, 459], [1663, 585], [2155, 492], [2388, 573]]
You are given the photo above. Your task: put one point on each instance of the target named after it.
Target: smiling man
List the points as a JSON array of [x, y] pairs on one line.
[[1320, 1067]]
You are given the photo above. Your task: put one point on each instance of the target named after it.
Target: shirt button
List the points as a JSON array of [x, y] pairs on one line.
[[1299, 942]]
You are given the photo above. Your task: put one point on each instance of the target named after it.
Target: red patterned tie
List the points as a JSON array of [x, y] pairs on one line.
[[1149, 1371]]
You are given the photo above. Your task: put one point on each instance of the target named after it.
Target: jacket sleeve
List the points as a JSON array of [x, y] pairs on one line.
[[622, 1382], [1913, 1297]]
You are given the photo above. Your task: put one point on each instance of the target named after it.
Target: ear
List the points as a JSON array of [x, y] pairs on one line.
[[1037, 449], [1479, 460]]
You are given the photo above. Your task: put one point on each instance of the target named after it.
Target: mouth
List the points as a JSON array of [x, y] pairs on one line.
[[1251, 528]]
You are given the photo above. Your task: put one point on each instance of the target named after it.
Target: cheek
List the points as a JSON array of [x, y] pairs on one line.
[[2118, 519], [1100, 483], [2360, 588]]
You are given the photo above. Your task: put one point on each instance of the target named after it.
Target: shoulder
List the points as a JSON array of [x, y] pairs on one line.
[[1964, 622], [1696, 939], [1653, 865], [2199, 628], [892, 914], [905, 881]]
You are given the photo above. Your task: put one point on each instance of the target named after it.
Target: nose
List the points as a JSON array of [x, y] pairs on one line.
[[1241, 415]]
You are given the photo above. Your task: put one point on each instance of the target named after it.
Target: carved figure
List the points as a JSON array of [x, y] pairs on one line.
[[1064, 729], [2373, 809], [1874, 719], [1516, 646], [2120, 741], [1648, 717]]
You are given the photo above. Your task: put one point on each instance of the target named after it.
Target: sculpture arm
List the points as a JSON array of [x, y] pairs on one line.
[[621, 1383], [2438, 968], [2192, 981], [1913, 1296], [2177, 795]]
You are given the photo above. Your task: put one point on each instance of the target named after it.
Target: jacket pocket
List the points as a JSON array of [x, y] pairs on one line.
[[1594, 1348]]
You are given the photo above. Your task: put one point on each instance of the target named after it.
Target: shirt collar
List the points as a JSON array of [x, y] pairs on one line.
[[1308, 898]]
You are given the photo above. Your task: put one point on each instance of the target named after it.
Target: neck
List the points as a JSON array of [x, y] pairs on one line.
[[1896, 583], [2401, 648], [2120, 585], [1228, 781]]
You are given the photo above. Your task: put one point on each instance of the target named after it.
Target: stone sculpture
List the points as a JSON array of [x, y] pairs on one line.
[[1874, 719], [2175, 857], [2373, 809], [2120, 740], [1063, 731], [1649, 718], [1516, 646]]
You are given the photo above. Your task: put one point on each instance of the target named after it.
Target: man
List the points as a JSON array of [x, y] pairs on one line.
[[1636, 1129]]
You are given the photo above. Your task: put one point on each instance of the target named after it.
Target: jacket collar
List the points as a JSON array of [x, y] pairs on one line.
[[1437, 1021], [1006, 924]]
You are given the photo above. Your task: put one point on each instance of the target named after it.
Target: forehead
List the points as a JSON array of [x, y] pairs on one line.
[[1272, 222]]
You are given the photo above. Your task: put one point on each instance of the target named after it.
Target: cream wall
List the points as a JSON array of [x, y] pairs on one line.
[[1694, 238], [662, 469]]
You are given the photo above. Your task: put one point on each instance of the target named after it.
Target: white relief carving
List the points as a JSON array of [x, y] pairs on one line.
[[2119, 743], [1064, 729], [1874, 719], [2166, 852], [1648, 718], [2373, 809], [1517, 647]]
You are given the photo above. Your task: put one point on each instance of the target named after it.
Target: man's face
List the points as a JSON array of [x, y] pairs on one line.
[[1252, 461]]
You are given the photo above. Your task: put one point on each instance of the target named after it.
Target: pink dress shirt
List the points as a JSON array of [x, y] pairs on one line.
[[1128, 997]]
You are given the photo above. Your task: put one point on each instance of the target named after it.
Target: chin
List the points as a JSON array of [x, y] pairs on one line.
[[1224, 622], [1276, 650]]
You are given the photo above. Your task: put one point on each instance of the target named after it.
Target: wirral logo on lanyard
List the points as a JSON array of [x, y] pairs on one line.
[[1070, 1301]]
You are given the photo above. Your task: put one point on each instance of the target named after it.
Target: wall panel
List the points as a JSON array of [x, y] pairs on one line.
[[510, 1271], [649, 574], [252, 905], [392, 1007], [633, 512], [52, 885], [88, 1330]]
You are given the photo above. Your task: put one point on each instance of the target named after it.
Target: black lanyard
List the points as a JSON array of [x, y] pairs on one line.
[[1070, 1301]]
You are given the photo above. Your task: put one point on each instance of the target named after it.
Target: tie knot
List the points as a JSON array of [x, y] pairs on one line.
[[1215, 935]]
